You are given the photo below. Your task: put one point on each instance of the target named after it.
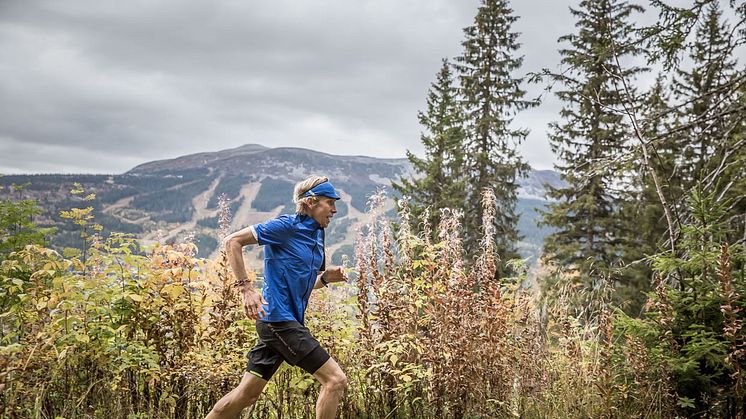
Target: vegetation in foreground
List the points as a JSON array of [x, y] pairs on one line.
[[122, 331]]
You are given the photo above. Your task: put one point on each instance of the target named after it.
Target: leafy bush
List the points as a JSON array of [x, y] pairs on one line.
[[17, 228], [693, 325], [125, 331]]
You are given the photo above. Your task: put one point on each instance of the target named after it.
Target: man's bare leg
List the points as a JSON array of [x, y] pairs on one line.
[[333, 384], [241, 397]]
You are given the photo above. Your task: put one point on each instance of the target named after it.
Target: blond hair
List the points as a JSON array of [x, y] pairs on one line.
[[304, 203]]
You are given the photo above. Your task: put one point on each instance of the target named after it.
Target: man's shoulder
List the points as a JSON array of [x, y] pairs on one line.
[[275, 230], [284, 222], [290, 219]]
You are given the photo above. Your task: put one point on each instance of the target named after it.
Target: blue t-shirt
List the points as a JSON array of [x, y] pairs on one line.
[[293, 254]]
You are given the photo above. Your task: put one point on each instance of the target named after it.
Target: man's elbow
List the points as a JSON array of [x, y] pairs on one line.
[[229, 242]]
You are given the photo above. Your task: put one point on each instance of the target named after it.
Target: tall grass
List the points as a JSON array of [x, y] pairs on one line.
[[156, 332]]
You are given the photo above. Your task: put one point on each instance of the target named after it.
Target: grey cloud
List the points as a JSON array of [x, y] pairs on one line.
[[144, 80], [63, 158]]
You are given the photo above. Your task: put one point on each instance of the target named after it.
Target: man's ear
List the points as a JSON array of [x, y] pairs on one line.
[[309, 204]]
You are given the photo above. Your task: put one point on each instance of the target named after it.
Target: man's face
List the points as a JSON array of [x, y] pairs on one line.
[[324, 210]]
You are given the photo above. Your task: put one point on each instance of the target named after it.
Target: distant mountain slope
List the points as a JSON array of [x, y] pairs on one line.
[[174, 197], [534, 186], [198, 160]]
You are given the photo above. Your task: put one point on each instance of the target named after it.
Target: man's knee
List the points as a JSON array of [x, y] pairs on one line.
[[331, 377], [337, 382], [248, 398]]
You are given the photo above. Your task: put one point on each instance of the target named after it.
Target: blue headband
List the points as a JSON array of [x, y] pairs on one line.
[[323, 189]]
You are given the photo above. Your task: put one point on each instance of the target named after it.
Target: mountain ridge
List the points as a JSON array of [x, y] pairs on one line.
[[171, 198]]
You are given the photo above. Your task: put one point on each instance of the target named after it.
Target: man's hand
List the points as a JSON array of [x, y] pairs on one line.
[[335, 274], [253, 304]]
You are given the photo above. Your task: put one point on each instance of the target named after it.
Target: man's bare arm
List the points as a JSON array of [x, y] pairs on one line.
[[332, 274], [233, 245], [318, 284]]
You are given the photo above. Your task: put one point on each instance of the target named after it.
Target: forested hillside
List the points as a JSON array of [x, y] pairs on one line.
[[174, 198]]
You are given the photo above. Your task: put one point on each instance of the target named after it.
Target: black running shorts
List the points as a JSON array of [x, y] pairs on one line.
[[287, 341]]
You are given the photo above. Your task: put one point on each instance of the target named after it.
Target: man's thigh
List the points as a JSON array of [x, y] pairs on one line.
[[263, 361], [294, 343]]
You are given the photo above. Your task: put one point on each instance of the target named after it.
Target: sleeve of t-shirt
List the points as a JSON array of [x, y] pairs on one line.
[[273, 232]]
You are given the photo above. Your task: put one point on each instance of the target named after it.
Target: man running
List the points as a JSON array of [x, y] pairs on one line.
[[293, 267]]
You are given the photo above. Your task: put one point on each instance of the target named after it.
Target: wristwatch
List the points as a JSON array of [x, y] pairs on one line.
[[323, 281]]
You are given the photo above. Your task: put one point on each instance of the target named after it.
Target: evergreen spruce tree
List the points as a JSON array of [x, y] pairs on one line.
[[711, 119], [17, 226], [647, 229], [657, 122], [491, 96], [736, 144], [592, 229], [701, 89], [440, 173]]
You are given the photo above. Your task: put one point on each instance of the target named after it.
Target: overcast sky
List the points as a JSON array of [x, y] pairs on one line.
[[99, 86]]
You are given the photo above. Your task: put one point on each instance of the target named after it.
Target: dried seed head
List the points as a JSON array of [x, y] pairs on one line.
[[224, 214]]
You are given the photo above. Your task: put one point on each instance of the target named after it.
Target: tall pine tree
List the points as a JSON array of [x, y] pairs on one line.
[[440, 173], [642, 210], [711, 120], [734, 173], [590, 143], [491, 96], [657, 122]]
